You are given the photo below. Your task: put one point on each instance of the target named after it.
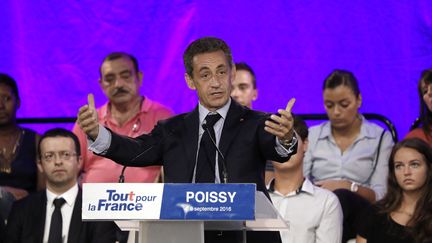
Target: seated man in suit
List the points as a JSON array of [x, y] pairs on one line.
[[185, 144], [54, 215]]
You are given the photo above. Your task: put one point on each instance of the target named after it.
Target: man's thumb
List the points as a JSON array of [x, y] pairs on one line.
[[91, 102]]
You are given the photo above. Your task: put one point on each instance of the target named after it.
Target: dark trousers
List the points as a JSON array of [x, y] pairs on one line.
[[352, 207]]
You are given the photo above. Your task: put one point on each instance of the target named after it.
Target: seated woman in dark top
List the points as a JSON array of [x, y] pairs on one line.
[[18, 172], [405, 213], [425, 96]]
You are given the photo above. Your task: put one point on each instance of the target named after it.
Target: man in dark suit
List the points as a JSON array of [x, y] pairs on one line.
[[246, 138], [37, 218]]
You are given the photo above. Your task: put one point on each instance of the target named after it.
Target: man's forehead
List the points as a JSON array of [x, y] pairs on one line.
[[209, 60], [243, 77], [117, 65], [57, 143]]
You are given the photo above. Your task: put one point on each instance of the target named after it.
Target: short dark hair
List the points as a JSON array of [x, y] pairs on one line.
[[425, 113], [9, 81], [342, 77], [117, 55], [300, 127], [205, 45], [245, 67], [60, 132]]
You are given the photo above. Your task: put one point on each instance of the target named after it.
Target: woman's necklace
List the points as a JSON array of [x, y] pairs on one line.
[[7, 158]]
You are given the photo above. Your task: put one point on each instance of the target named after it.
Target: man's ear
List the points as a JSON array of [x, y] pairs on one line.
[[190, 82], [255, 96], [100, 82], [80, 163], [39, 165], [140, 78], [233, 72]]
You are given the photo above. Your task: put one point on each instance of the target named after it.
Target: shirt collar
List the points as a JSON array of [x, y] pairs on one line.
[[306, 187], [223, 111], [69, 196], [365, 131], [145, 107]]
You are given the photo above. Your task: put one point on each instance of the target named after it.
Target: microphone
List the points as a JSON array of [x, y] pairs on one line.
[[224, 169], [122, 177]]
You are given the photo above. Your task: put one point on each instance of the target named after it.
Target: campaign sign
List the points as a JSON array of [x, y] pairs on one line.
[[151, 201], [121, 201], [209, 202]]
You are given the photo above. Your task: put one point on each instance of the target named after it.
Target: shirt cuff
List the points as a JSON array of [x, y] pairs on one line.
[[286, 151], [102, 142]]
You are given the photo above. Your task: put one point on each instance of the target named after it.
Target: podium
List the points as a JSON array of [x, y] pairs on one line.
[[180, 213]]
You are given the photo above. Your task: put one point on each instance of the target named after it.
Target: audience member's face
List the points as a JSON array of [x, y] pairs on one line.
[[296, 161], [410, 169], [119, 81], [341, 106], [211, 78], [8, 105], [427, 94], [59, 162], [242, 88]]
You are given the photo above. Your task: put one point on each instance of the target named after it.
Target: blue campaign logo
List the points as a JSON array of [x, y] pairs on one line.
[[208, 201]]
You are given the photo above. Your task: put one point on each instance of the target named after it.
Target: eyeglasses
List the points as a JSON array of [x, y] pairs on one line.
[[63, 155]]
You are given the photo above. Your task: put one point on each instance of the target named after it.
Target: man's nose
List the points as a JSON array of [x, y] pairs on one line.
[[119, 82], [215, 82]]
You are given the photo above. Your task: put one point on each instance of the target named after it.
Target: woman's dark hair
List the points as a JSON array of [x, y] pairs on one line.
[[9, 81], [421, 221], [342, 77], [425, 113]]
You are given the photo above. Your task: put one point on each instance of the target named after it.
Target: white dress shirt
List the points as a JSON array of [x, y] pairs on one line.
[[314, 214], [66, 210]]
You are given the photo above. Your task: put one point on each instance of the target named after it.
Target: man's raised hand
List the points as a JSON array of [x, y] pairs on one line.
[[282, 126], [87, 118]]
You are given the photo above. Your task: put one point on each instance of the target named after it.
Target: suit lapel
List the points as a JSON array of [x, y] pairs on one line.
[[39, 217], [190, 139], [234, 118], [76, 222]]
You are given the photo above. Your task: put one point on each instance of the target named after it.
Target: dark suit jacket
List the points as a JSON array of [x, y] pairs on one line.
[[173, 143], [26, 223]]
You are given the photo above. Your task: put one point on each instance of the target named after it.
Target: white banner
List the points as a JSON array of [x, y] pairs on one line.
[[119, 201]]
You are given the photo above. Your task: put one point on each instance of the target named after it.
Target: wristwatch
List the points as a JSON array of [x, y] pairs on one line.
[[289, 144], [354, 187]]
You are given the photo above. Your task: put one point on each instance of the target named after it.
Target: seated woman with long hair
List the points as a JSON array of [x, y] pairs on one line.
[[348, 154], [405, 213], [425, 96]]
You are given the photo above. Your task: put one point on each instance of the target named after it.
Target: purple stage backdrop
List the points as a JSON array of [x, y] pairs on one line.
[[54, 49]]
